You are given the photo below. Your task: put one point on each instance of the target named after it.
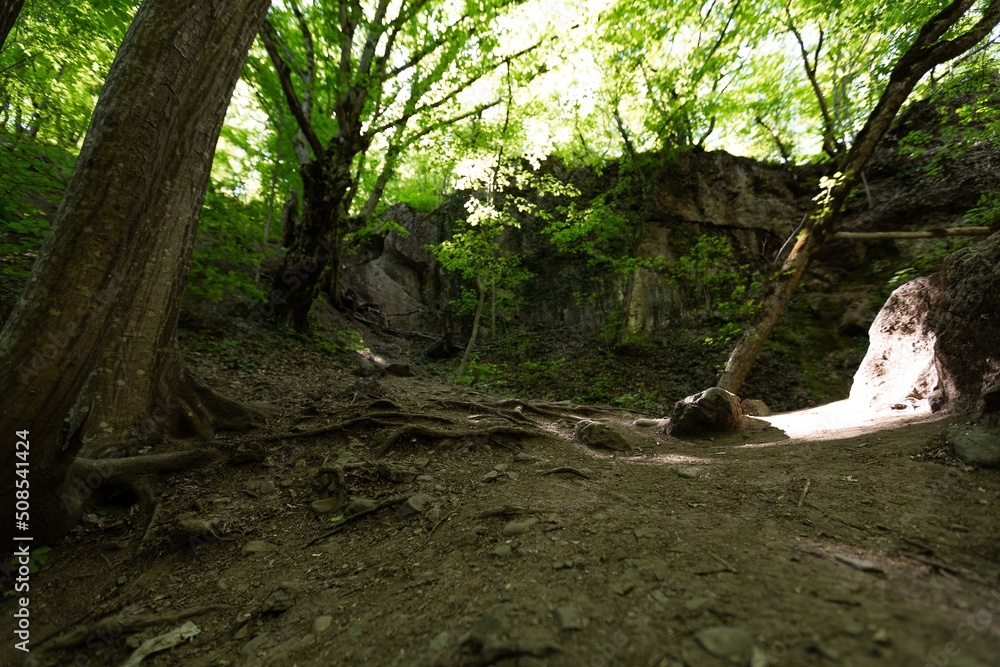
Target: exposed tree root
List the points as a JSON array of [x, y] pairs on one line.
[[106, 478], [115, 626], [348, 520], [514, 415], [376, 418], [416, 430]]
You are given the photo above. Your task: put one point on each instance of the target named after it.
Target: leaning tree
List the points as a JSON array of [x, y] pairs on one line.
[[939, 40], [90, 352]]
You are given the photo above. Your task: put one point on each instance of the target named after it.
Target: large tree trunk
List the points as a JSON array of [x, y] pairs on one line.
[[325, 182], [9, 11], [105, 291], [926, 52]]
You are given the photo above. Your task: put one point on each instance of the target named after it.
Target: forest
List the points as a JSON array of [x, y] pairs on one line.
[[500, 332]]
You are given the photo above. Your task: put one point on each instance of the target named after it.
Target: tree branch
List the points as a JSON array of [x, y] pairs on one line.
[[269, 36]]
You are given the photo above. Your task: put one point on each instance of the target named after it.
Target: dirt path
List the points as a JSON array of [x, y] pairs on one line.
[[506, 549]]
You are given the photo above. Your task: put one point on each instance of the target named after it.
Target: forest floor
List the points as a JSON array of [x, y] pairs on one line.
[[492, 536]]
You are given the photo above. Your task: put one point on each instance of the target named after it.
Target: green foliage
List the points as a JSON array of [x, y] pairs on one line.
[[986, 212], [34, 177], [927, 262], [228, 248], [54, 63], [720, 286]]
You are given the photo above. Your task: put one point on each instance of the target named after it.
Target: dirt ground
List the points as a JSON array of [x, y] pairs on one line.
[[487, 534]]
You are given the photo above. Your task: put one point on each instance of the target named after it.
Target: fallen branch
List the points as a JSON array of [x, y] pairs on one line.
[[805, 490], [114, 626], [922, 234], [348, 520]]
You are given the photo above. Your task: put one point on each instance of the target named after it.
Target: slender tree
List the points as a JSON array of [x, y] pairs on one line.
[[91, 346], [364, 83], [935, 44]]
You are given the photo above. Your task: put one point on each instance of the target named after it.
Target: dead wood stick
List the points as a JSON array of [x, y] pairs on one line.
[[346, 521], [805, 490], [117, 625], [724, 563]]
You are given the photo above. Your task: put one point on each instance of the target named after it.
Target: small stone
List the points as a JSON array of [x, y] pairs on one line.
[[569, 618], [490, 476], [501, 550], [598, 435], [600, 517], [441, 641], [881, 636], [424, 478], [518, 527], [321, 624], [695, 604], [421, 461], [266, 488], [251, 646], [257, 547], [725, 642], [500, 467], [326, 505], [434, 514], [688, 472], [281, 598], [645, 423], [660, 596], [524, 456], [513, 476], [419, 502], [360, 505]]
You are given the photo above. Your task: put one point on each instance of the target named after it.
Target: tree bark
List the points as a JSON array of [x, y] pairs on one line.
[[925, 53], [97, 319], [9, 11], [325, 182]]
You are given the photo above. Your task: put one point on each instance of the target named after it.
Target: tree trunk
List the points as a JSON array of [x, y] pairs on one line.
[[324, 185], [9, 11], [926, 52], [463, 367], [97, 319]]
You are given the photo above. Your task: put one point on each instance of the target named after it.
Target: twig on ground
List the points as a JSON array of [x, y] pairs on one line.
[[805, 490], [346, 521]]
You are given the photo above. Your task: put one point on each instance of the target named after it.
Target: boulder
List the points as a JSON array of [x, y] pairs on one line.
[[976, 445], [900, 362], [602, 436], [712, 410]]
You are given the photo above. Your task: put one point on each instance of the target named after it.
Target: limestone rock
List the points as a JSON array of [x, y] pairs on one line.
[[900, 364], [712, 410]]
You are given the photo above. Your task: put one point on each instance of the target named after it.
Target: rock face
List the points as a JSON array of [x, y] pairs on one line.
[[967, 323], [900, 363], [712, 410]]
